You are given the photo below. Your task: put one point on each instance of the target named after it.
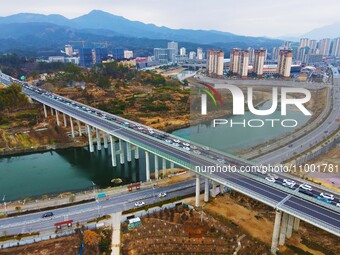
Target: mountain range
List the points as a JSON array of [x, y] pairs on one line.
[[47, 32]]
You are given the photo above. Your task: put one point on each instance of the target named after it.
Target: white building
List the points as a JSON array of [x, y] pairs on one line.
[[215, 62], [284, 63], [336, 47], [199, 54], [192, 55], [53, 59], [68, 50], [128, 54], [259, 59], [324, 46], [182, 51]]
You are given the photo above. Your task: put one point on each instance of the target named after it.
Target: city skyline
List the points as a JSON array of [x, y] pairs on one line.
[[228, 17]]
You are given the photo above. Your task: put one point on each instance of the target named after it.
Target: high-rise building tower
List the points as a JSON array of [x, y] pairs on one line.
[[118, 53], [284, 63], [243, 63], [234, 59], [173, 45], [259, 59], [287, 45], [192, 55], [304, 42], [199, 55], [312, 44], [215, 62], [336, 47], [275, 53], [85, 57], [251, 55], [100, 54], [182, 51], [68, 50], [324, 46]]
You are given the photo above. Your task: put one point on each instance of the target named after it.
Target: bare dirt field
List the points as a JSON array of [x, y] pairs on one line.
[[64, 245], [181, 231], [257, 220]]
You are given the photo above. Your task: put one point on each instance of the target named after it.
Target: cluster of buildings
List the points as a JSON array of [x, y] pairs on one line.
[[243, 62], [87, 57], [172, 54], [281, 61], [310, 51]]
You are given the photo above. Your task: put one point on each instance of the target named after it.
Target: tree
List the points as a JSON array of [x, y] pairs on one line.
[[91, 238]]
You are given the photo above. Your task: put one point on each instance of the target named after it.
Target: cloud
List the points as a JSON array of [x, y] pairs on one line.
[[246, 17]]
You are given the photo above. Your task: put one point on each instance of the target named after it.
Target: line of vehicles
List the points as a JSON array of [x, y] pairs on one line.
[[303, 188], [185, 145]]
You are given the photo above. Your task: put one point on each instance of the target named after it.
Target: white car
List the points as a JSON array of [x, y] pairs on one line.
[[338, 204], [289, 183], [193, 147], [197, 152], [139, 203], [162, 194], [327, 196], [219, 160], [305, 187], [176, 144], [186, 144], [168, 141], [270, 179], [177, 141], [186, 148]]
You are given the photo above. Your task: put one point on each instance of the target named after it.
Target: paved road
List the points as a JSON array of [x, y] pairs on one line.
[[290, 201], [85, 212]]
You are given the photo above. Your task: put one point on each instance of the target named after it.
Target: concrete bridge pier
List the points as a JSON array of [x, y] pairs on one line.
[[221, 189], [206, 189], [172, 166], [52, 113], [121, 152], [156, 167], [45, 111], [57, 117], [99, 143], [89, 133], [105, 140], [128, 151], [296, 224], [276, 231], [147, 166], [198, 187], [136, 152], [213, 193], [72, 128], [79, 126], [164, 167], [283, 230], [113, 151], [65, 121], [290, 224]]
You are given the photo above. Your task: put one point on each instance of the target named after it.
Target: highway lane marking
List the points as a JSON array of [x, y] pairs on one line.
[[310, 209]]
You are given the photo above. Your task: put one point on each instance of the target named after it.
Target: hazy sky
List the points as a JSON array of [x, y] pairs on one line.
[[245, 17]]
